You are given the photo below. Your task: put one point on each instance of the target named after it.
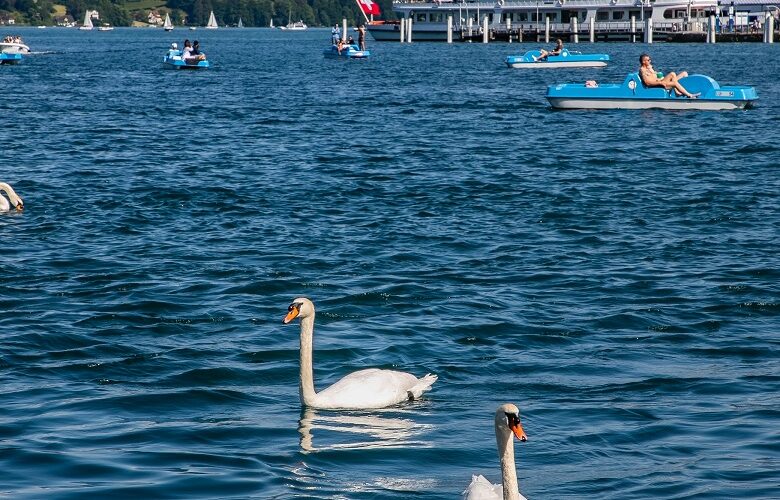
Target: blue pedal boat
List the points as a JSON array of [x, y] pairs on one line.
[[10, 58], [633, 94], [173, 60], [347, 51], [565, 59]]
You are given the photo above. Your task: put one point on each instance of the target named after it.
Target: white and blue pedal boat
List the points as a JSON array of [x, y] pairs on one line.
[[347, 51], [532, 60], [173, 60], [6, 58], [633, 94]]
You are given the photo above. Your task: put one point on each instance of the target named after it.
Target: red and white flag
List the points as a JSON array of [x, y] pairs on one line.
[[369, 7]]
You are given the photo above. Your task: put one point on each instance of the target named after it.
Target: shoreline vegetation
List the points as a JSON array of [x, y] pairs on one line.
[[151, 13]]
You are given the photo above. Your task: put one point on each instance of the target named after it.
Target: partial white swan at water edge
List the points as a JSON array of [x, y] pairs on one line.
[[13, 199], [507, 423], [371, 388]]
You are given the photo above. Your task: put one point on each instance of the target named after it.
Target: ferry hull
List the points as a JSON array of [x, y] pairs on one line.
[[383, 31]]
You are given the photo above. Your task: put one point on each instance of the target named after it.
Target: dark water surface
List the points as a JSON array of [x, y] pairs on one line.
[[613, 273]]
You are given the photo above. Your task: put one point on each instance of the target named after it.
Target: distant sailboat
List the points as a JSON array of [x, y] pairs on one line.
[[87, 26], [297, 25], [240, 23], [212, 25], [168, 24], [271, 24]]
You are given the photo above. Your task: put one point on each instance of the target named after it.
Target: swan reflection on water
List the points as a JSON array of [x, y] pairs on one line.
[[369, 431]]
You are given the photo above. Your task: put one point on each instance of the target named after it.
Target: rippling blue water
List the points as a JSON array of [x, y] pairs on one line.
[[615, 274]]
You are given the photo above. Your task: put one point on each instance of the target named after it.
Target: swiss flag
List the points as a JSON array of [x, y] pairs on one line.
[[369, 7]]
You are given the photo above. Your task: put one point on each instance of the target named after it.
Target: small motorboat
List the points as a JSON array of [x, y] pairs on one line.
[[633, 94], [6, 58], [174, 60], [347, 51], [13, 46], [566, 59]]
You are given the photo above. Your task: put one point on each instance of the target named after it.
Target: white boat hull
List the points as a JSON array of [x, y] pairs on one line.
[[422, 32], [550, 65], [14, 48], [679, 104]]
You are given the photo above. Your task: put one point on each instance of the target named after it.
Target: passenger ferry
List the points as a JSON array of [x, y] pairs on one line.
[[612, 18]]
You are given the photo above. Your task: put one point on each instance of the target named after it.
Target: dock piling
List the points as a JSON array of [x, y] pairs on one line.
[[546, 29], [592, 30], [711, 30], [769, 27], [575, 30], [344, 30], [649, 31], [449, 28], [401, 27], [409, 30], [484, 30], [633, 29]]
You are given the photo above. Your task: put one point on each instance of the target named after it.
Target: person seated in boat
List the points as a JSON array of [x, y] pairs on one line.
[[196, 53], [670, 81], [186, 51], [340, 45], [350, 41], [173, 52], [554, 52]]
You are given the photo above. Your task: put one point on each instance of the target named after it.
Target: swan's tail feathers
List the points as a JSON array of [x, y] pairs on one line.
[[422, 385]]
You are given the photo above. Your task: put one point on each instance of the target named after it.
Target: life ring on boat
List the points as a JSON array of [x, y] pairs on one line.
[[500, 3]]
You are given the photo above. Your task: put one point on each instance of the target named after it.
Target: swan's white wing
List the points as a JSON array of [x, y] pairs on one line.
[[481, 489], [4, 205], [372, 388]]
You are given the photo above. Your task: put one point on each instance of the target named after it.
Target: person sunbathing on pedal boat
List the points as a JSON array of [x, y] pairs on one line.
[[670, 81]]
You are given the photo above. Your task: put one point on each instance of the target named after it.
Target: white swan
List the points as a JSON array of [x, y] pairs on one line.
[[371, 388], [507, 423], [12, 196]]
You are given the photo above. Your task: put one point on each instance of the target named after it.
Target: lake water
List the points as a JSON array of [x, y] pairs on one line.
[[613, 273]]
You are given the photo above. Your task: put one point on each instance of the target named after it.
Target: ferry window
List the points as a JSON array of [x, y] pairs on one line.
[[634, 13], [523, 16], [602, 16], [437, 17], [668, 14], [617, 15], [420, 18]]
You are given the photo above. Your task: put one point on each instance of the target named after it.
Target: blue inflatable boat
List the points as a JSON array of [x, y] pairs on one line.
[[565, 59], [173, 60], [10, 58], [632, 94], [347, 51]]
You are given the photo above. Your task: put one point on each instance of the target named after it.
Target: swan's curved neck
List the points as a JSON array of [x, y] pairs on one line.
[[506, 453], [12, 196], [307, 370]]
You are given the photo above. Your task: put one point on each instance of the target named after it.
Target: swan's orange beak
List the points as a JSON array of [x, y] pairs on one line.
[[292, 313], [519, 432], [20, 206]]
